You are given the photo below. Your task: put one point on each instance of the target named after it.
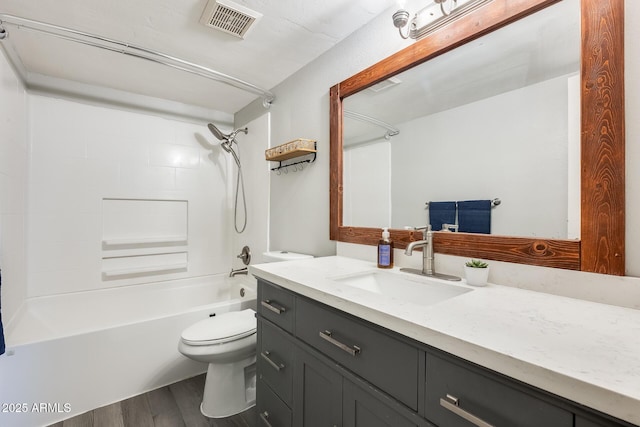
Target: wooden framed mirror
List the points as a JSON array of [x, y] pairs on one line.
[[602, 142]]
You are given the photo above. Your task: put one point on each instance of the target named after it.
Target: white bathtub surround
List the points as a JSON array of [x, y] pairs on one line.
[[584, 351], [70, 320], [85, 156], [90, 349]]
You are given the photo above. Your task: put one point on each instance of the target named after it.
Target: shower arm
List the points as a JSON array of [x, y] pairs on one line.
[[131, 50]]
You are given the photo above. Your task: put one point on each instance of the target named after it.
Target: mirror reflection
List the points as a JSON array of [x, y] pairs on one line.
[[495, 118]]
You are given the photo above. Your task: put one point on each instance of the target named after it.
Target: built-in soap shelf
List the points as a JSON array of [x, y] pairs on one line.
[[113, 274], [144, 238], [144, 241]]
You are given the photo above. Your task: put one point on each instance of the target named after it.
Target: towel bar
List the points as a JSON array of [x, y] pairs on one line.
[[495, 202]]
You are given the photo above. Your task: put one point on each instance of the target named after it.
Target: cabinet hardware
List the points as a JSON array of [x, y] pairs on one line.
[[452, 404], [264, 416], [277, 310], [277, 366], [353, 350]]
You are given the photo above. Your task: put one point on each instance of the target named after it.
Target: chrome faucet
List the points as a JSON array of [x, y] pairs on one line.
[[428, 268]]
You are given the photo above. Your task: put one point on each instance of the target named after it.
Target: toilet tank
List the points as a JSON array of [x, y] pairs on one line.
[[277, 256]]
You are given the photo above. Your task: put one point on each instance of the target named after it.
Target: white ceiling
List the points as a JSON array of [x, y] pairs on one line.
[[290, 34]]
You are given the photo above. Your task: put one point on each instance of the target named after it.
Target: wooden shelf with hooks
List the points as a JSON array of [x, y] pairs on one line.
[[297, 148], [289, 150], [298, 152]]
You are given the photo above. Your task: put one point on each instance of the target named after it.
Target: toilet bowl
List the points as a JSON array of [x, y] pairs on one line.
[[227, 342]]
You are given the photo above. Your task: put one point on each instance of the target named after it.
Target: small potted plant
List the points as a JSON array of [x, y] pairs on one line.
[[476, 272]]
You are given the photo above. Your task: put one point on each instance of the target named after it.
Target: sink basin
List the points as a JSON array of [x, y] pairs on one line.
[[417, 290]]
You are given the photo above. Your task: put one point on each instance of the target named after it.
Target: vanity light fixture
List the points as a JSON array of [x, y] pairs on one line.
[[434, 16]]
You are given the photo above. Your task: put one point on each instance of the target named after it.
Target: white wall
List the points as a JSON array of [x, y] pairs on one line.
[[300, 201], [302, 108], [13, 185]]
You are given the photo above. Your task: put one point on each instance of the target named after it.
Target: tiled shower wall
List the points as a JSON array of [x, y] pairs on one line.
[[82, 155], [13, 185]]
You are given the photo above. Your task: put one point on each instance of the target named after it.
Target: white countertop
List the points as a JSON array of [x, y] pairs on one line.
[[584, 351]]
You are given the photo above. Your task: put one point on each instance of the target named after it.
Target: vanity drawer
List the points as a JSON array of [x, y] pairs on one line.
[[275, 360], [276, 304], [386, 362], [272, 412], [454, 392]]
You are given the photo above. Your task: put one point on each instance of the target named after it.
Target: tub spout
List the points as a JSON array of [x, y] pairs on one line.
[[244, 270]]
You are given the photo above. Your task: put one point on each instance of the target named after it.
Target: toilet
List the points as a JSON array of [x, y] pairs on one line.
[[227, 342]]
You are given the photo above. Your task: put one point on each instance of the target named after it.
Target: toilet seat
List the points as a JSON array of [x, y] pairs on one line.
[[221, 329]]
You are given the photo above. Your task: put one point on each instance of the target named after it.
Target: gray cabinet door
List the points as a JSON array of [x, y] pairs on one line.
[[317, 393], [362, 409], [454, 394], [272, 412], [275, 359]]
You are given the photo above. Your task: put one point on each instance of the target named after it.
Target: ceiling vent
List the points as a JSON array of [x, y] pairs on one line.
[[229, 17], [385, 84]]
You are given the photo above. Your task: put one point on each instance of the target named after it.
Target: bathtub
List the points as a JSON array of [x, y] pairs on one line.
[[68, 354]]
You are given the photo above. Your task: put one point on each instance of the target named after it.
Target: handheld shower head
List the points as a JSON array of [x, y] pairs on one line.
[[227, 140], [227, 145]]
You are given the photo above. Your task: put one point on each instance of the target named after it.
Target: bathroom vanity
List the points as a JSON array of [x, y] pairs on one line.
[[343, 344]]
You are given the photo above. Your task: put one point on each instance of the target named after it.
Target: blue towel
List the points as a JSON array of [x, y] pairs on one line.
[[441, 213], [1, 330], [474, 216]]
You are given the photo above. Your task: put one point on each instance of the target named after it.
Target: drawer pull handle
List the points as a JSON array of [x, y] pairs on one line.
[[326, 335], [277, 310], [277, 366], [264, 416], [453, 404]]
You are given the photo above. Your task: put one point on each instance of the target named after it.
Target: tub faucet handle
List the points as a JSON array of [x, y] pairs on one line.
[[245, 255]]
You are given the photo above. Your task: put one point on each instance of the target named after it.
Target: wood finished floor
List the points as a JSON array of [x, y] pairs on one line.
[[176, 405]]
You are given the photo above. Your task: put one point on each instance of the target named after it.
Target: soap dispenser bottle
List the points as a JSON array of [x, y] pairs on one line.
[[385, 250]]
